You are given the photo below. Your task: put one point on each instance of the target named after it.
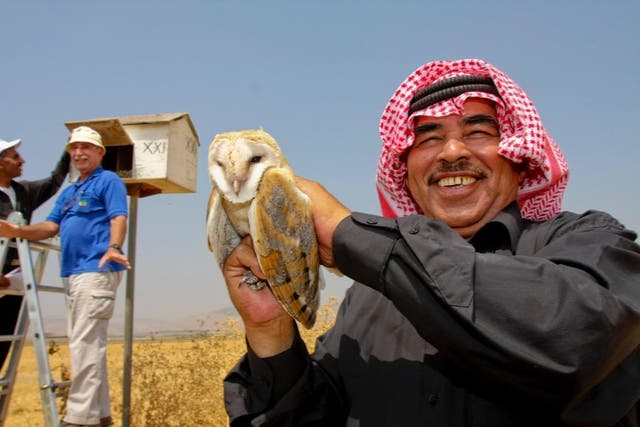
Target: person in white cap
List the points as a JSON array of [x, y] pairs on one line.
[[477, 301], [90, 215], [22, 196]]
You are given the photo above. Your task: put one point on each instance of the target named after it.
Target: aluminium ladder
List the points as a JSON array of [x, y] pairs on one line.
[[29, 314]]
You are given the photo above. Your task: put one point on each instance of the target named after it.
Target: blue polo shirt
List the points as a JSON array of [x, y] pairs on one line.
[[84, 211]]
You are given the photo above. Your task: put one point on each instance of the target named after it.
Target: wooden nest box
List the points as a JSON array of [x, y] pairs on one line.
[[155, 153]]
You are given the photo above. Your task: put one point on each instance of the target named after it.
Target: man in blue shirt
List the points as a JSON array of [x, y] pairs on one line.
[[91, 217]]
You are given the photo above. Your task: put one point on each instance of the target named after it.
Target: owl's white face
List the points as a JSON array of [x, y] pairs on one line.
[[236, 166]]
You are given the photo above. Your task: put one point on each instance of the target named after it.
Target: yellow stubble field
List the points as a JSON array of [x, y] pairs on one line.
[[175, 382]]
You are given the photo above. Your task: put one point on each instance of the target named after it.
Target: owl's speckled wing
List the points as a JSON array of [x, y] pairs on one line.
[[221, 236], [285, 241]]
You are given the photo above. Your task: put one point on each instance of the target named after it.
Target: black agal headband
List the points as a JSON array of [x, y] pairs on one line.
[[450, 88]]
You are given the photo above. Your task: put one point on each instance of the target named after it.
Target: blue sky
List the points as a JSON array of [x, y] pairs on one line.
[[316, 75]]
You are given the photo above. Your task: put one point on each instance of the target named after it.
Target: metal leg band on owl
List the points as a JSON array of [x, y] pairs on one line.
[[252, 281]]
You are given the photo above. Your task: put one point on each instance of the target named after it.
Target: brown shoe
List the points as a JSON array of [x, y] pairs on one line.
[[66, 424], [106, 421]]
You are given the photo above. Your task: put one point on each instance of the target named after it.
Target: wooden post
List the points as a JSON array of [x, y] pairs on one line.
[[134, 192]]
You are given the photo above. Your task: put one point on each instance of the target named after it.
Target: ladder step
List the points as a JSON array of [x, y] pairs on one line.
[[39, 288], [18, 292], [49, 288], [11, 338], [55, 385], [42, 245]]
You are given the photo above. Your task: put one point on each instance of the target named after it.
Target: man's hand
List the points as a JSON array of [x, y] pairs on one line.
[[4, 282], [9, 229], [327, 213], [114, 255], [40, 231], [269, 328]]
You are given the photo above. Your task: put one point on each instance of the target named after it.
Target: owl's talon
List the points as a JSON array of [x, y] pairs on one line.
[[252, 281], [257, 286]]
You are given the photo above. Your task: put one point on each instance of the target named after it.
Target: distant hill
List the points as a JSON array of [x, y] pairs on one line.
[[57, 325]]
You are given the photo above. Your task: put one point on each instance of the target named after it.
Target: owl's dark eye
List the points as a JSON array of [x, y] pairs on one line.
[[255, 159], [219, 164]]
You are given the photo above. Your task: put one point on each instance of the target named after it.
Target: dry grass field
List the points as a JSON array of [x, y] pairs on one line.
[[176, 382]]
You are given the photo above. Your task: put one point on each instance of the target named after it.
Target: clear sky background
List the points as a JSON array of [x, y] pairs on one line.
[[316, 75]]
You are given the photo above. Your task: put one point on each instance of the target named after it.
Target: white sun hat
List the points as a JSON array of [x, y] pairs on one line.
[[5, 145], [85, 134]]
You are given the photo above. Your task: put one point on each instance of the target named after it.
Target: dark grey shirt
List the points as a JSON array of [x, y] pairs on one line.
[[526, 324]]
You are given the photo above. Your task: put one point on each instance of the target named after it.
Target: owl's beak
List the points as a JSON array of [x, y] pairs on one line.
[[236, 185]]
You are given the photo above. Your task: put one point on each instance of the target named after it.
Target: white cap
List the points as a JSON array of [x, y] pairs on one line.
[[5, 145], [85, 134]]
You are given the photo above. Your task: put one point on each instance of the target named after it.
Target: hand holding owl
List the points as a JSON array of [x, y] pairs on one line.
[[326, 212], [268, 326]]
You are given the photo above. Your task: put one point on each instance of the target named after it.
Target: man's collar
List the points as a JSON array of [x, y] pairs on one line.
[[95, 172], [502, 232]]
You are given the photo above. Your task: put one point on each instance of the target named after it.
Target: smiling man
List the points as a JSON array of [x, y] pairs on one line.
[[476, 301], [454, 171]]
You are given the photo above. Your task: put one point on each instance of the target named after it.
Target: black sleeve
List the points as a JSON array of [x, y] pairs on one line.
[[547, 327], [41, 190], [285, 389]]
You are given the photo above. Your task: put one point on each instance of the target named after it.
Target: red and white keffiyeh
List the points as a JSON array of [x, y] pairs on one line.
[[523, 139]]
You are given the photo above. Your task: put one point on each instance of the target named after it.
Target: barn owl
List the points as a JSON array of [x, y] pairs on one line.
[[254, 193]]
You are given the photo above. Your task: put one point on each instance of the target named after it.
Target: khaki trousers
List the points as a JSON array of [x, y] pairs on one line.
[[90, 301]]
